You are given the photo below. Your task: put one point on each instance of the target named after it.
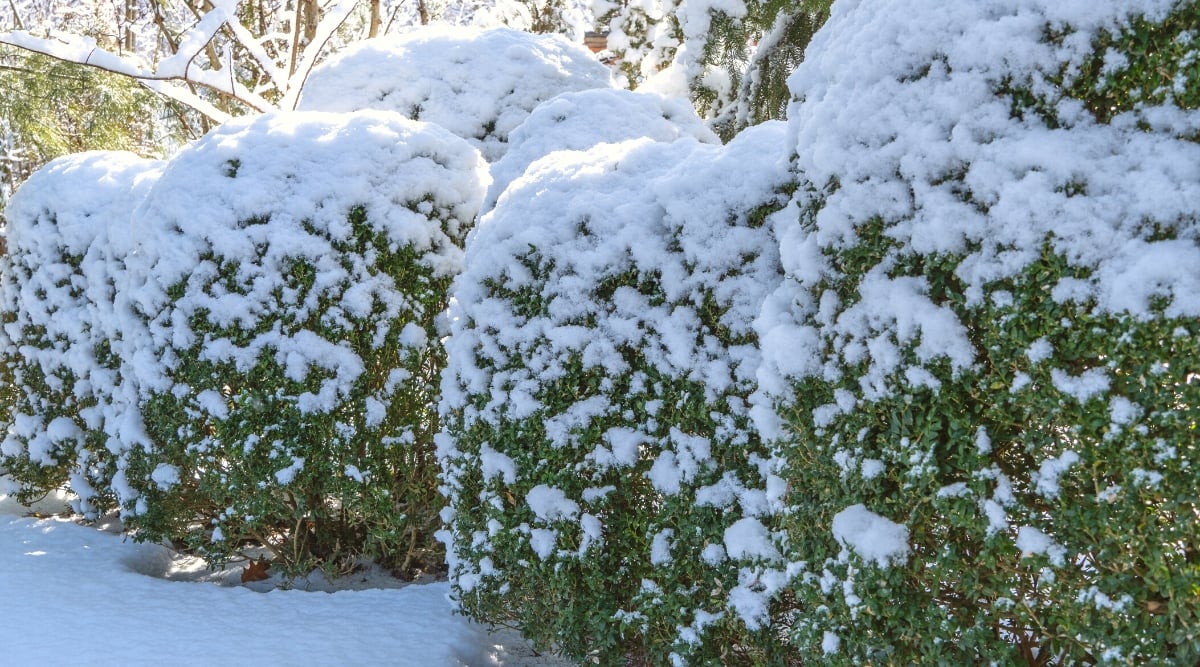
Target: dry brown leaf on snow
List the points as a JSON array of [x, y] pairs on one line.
[[256, 570]]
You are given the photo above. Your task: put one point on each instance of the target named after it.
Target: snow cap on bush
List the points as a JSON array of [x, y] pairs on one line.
[[580, 120], [295, 268], [479, 84], [926, 146], [267, 189], [595, 400], [67, 235]]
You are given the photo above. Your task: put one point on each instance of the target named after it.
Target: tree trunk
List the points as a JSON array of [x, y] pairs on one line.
[[376, 19], [312, 17], [130, 42]]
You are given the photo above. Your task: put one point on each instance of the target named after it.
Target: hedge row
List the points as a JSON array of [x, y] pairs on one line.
[[911, 381], [242, 347]]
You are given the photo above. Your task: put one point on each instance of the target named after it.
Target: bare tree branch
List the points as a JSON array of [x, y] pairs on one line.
[[334, 16], [84, 52], [180, 75], [16, 15]]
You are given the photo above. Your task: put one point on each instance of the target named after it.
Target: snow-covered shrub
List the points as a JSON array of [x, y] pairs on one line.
[[292, 281], [577, 121], [479, 84], [606, 489], [66, 235], [983, 359]]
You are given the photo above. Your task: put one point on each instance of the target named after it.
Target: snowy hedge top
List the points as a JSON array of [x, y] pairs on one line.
[[74, 201], [580, 120], [675, 211], [259, 194], [903, 115], [67, 234], [478, 84]]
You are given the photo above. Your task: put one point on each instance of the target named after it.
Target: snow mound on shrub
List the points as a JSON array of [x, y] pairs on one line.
[[294, 277], [67, 232], [479, 84], [580, 120], [293, 176], [892, 124], [663, 187], [875, 538], [76, 201]]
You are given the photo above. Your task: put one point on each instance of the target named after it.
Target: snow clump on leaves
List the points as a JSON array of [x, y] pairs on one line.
[[596, 402], [479, 84], [294, 273], [987, 330]]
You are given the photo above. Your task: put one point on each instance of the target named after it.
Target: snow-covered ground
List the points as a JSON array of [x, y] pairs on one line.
[[77, 594]]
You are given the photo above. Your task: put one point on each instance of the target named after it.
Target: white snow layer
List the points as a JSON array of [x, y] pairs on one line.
[[1034, 542], [479, 84], [52, 571]]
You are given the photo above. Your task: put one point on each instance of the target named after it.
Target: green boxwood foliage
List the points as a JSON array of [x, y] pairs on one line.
[[64, 252], [992, 445], [297, 268], [607, 493]]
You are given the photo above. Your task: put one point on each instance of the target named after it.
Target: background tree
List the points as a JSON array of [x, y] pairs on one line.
[[233, 57], [221, 59], [779, 30], [49, 108], [731, 59]]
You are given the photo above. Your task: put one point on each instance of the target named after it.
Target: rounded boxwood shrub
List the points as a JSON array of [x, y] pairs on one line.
[[65, 237], [294, 275], [991, 426], [607, 493]]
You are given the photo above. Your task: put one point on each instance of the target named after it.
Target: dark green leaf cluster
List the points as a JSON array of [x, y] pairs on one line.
[[966, 473], [365, 483]]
